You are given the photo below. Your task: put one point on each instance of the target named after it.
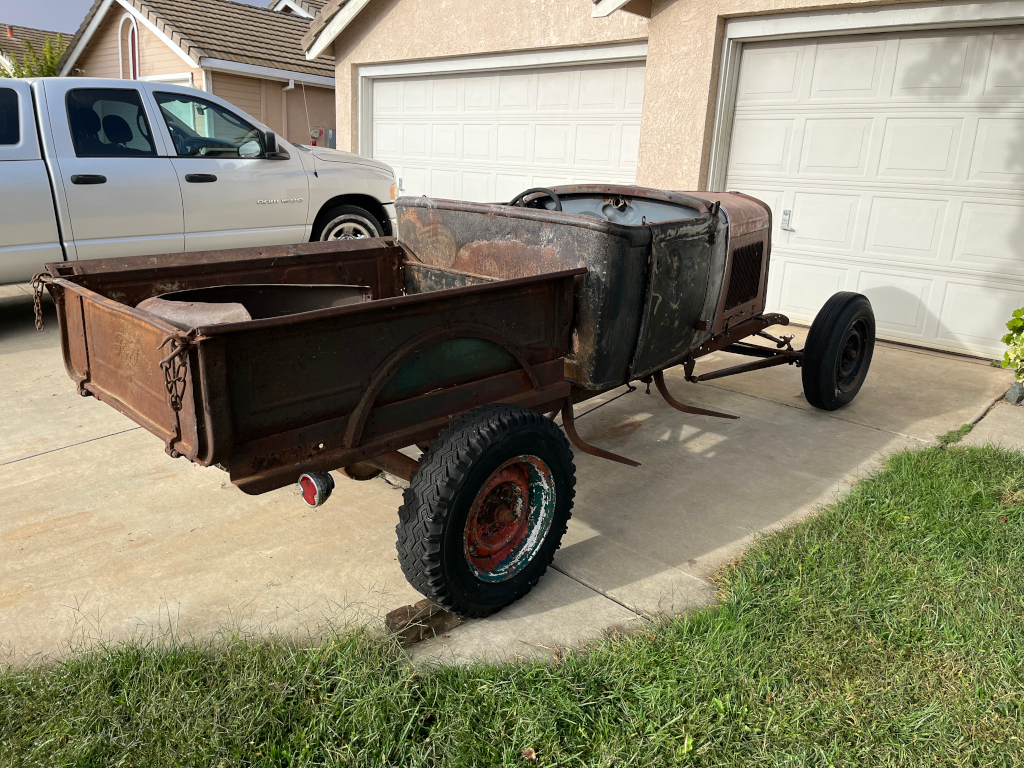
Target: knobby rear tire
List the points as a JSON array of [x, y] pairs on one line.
[[433, 548]]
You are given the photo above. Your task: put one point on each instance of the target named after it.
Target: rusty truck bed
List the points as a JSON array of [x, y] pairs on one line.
[[269, 399]]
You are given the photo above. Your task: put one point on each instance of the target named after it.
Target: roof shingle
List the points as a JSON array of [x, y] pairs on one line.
[[222, 29], [14, 47]]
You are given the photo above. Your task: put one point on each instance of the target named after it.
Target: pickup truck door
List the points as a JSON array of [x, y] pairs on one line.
[[234, 195], [122, 193], [28, 222]]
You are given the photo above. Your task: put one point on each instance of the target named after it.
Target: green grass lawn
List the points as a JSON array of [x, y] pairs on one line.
[[889, 630]]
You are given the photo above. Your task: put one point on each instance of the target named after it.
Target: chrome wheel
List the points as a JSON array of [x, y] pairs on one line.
[[349, 228]]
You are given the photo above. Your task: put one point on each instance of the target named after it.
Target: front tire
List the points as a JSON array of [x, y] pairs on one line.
[[347, 222], [838, 351], [487, 509]]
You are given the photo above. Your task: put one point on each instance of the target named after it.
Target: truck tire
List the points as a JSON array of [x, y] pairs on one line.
[[838, 351], [347, 222], [486, 510]]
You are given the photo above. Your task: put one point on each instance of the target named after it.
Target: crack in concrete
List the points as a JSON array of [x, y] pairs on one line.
[[594, 589], [65, 447]]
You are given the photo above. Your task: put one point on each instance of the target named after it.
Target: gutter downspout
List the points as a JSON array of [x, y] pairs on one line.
[[284, 108]]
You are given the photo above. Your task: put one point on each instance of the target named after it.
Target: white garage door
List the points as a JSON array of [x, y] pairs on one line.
[[487, 137], [901, 159]]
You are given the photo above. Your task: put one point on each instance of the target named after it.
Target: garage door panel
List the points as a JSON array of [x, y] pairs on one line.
[[601, 90], [1005, 76], [835, 146], [934, 67], [634, 99], [900, 302], [553, 144], [999, 152], [386, 97], [595, 145], [761, 146], [444, 141], [415, 97], [415, 140], [905, 227], [555, 91], [920, 148], [387, 139], [991, 236], [508, 185], [513, 93], [478, 142], [824, 219], [416, 181], [629, 149], [479, 94], [477, 186], [444, 96], [970, 310], [806, 286], [847, 70], [901, 158], [770, 74]]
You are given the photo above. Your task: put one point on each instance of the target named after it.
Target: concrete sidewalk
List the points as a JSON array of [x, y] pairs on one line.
[[102, 535]]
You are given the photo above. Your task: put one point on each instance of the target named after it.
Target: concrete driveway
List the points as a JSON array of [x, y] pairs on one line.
[[102, 535]]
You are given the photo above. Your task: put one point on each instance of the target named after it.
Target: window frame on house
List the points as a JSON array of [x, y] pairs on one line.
[[133, 47]]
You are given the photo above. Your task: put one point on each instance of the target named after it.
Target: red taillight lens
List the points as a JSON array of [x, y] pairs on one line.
[[316, 487]]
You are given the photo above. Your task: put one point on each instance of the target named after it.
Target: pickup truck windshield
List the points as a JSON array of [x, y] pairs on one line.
[[200, 128], [109, 122]]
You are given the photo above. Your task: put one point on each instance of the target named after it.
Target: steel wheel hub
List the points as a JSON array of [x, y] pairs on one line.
[[851, 358], [510, 518]]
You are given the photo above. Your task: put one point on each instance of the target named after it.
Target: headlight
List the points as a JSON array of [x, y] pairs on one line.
[[394, 192]]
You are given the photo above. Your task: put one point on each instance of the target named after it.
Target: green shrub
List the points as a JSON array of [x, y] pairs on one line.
[[34, 64], [1014, 357]]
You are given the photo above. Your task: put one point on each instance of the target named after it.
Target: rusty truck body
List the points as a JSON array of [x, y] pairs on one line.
[[459, 342]]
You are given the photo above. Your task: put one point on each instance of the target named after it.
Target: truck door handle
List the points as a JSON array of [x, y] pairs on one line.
[[88, 178], [200, 178]]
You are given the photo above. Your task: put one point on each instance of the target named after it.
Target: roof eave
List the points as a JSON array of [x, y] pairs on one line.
[[318, 43]]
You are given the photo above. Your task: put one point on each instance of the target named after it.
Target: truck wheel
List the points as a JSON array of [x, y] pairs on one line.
[[347, 222], [838, 351], [487, 509]]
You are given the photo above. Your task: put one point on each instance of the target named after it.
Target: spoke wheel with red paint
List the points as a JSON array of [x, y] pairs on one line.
[[487, 509]]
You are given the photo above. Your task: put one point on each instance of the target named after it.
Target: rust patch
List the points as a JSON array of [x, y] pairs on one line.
[[127, 349], [437, 246], [506, 259]]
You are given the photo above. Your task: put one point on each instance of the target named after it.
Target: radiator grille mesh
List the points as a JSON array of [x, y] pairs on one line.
[[746, 274]]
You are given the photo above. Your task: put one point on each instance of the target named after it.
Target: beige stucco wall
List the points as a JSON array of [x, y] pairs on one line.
[[407, 30], [682, 83]]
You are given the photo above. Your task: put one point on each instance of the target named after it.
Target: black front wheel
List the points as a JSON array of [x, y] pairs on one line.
[[487, 509], [838, 351]]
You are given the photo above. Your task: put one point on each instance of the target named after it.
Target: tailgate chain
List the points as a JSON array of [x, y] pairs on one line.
[[175, 368], [37, 297]]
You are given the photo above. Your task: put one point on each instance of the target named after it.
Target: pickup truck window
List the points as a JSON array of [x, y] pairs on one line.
[[109, 122], [200, 128], [10, 128]]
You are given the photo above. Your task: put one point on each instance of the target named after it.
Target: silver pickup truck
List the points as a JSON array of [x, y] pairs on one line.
[[95, 168]]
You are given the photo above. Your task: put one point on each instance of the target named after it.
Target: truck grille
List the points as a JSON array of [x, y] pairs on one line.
[[746, 274]]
